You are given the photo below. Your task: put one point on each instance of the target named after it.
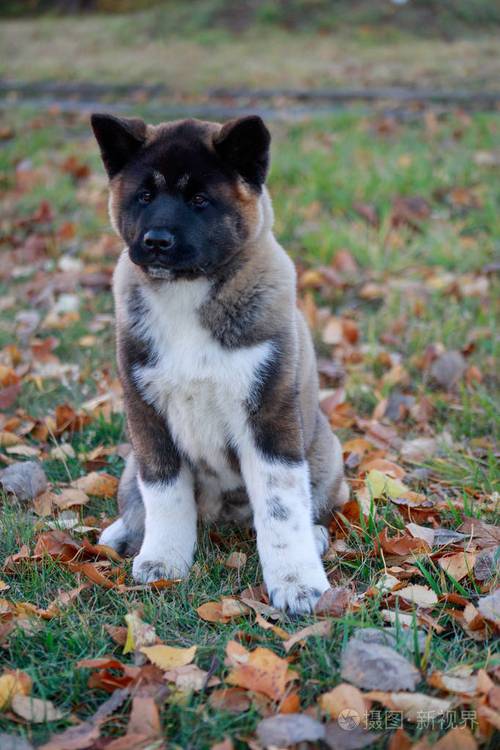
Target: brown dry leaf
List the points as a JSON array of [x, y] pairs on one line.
[[484, 534], [84, 735], [264, 672], [269, 626], [421, 532], [13, 682], [236, 560], [144, 717], [289, 729], [341, 697], [90, 571], [35, 710], [458, 738], [234, 700], [191, 678], [168, 657], [97, 484], [139, 633], [322, 628], [333, 602], [371, 665], [233, 608], [403, 544], [458, 565], [399, 740], [422, 596], [411, 705], [70, 497], [226, 744], [457, 680]]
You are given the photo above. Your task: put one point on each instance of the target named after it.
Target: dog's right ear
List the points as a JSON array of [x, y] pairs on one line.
[[119, 139]]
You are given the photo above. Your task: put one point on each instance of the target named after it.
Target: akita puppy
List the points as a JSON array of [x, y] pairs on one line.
[[217, 364]]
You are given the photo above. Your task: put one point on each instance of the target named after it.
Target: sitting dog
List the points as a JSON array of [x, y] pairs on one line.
[[217, 364]]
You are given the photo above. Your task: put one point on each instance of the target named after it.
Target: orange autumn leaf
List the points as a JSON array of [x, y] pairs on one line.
[[264, 672], [402, 544], [97, 484]]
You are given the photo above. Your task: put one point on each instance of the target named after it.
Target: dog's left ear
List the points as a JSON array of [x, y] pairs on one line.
[[244, 144], [119, 139]]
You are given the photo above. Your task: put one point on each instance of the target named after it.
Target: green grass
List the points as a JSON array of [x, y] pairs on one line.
[[320, 169]]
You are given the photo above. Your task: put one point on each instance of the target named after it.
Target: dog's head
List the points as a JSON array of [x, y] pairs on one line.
[[186, 196]]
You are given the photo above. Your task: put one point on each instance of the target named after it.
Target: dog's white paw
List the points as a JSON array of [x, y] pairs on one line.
[[297, 591], [146, 570], [114, 535]]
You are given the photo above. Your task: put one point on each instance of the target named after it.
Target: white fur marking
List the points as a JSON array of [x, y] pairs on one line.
[[170, 529], [281, 500]]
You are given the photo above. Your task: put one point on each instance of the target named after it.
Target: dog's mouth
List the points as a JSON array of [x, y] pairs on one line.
[[159, 272]]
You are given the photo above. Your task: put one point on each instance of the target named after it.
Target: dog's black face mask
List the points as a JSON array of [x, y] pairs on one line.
[[184, 195]]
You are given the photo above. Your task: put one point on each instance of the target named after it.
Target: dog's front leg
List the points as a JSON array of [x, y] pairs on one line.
[[281, 499], [166, 485]]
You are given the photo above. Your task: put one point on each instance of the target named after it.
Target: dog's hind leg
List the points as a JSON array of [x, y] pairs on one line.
[[126, 533]]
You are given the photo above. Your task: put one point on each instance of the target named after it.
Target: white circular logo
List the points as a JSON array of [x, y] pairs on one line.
[[348, 719]]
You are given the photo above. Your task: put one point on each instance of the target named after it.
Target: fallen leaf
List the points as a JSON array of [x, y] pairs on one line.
[[411, 705], [484, 534], [489, 607], [333, 602], [26, 480], [352, 737], [14, 742], [139, 633], [341, 697], [70, 497], [423, 596], [421, 532], [35, 710], [284, 730], [233, 700], [168, 657], [458, 565], [458, 738], [321, 628], [97, 484], [85, 734], [236, 560], [191, 678], [144, 717], [264, 672], [402, 544], [373, 666], [13, 682], [457, 680]]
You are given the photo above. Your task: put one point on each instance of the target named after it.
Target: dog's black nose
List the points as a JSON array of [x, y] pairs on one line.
[[160, 240]]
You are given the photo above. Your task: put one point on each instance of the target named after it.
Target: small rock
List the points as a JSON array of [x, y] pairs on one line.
[[284, 730], [373, 666], [25, 479], [448, 369]]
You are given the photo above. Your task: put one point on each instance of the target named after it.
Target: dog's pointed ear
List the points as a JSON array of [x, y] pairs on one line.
[[244, 144], [118, 138]]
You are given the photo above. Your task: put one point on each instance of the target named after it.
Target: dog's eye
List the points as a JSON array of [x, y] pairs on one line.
[[199, 200], [145, 196]]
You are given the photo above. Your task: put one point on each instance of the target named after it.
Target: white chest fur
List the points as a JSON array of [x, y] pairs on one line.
[[197, 384]]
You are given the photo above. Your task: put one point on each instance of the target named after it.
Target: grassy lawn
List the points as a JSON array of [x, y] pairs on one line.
[[402, 280]]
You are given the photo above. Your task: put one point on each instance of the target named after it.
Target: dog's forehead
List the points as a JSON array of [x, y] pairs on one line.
[[181, 152]]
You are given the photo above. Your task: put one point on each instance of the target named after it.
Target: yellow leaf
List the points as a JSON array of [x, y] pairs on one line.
[[341, 697], [379, 484], [169, 657], [13, 682], [458, 565], [139, 633]]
